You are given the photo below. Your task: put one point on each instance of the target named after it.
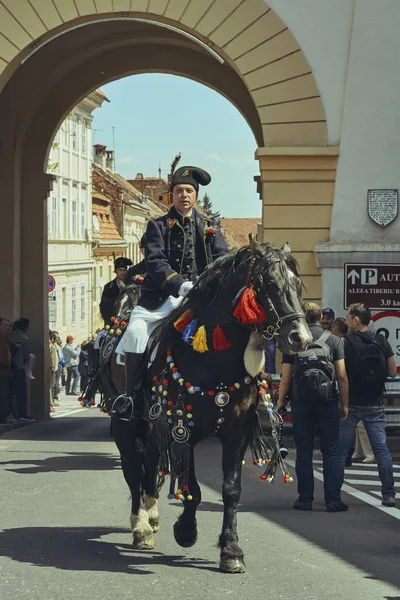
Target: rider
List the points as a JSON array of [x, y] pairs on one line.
[[111, 291], [178, 247]]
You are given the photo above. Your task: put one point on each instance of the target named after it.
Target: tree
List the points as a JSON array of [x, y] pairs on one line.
[[206, 205]]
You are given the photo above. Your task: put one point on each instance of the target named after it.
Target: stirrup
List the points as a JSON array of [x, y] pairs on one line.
[[114, 411]]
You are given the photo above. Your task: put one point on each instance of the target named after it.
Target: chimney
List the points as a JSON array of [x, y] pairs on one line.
[[110, 160], [99, 155]]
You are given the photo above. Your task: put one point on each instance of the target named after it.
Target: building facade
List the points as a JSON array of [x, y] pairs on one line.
[[315, 80], [69, 218]]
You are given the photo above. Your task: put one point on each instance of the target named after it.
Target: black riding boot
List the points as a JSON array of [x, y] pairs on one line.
[[132, 403], [95, 362]]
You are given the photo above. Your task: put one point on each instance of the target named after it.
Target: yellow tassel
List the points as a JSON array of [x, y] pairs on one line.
[[200, 340]]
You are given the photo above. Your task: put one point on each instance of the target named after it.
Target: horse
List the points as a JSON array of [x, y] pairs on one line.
[[203, 379]]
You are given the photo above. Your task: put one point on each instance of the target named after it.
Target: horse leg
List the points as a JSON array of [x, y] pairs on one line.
[[232, 560], [152, 457], [126, 436], [185, 528]]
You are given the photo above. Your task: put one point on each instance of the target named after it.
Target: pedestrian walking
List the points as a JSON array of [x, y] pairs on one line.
[[71, 358], [363, 450], [312, 375], [19, 359], [369, 361], [83, 366], [5, 370]]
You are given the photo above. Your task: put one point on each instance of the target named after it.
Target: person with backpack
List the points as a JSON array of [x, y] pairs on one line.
[[311, 378], [369, 361]]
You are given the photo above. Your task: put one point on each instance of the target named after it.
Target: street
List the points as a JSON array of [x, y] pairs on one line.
[[65, 527]]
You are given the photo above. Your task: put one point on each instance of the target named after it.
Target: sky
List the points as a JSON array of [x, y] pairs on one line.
[[155, 116]]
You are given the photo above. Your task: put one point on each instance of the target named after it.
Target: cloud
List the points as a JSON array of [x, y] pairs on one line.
[[127, 160]]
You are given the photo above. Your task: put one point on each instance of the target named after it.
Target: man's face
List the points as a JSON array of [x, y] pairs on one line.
[[5, 327], [183, 198], [121, 272], [326, 322]]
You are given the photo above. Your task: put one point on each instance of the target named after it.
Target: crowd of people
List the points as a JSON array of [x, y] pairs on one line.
[[336, 386], [69, 367]]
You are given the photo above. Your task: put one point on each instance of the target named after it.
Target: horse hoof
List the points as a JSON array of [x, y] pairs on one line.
[[232, 565], [155, 526], [143, 543], [185, 539]]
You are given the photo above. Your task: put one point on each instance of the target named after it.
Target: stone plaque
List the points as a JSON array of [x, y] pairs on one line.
[[382, 206]]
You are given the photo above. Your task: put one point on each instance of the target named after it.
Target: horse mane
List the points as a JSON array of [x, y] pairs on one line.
[[269, 260]]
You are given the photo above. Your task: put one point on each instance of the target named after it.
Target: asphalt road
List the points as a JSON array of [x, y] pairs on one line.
[[64, 529]]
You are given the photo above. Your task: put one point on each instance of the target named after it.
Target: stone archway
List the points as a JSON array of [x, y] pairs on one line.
[[239, 48]]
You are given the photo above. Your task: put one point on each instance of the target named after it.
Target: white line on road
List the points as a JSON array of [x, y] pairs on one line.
[[393, 512], [364, 465], [71, 412], [360, 472]]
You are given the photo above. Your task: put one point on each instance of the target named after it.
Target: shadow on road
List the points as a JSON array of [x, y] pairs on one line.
[[68, 461], [81, 549]]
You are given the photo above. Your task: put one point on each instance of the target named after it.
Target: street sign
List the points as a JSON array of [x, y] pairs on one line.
[[388, 324], [52, 309], [377, 286], [51, 283]]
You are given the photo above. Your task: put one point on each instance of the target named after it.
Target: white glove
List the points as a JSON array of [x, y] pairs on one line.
[[185, 288]]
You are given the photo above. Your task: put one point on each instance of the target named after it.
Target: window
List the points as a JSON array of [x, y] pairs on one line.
[[82, 220], [64, 306], [74, 218], [65, 133], [64, 219], [52, 216], [101, 271], [73, 305], [83, 138], [83, 303], [74, 132]]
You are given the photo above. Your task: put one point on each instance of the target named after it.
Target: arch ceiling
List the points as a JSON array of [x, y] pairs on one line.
[[247, 34]]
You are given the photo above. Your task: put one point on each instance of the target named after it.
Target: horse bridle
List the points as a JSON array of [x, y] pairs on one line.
[[271, 330]]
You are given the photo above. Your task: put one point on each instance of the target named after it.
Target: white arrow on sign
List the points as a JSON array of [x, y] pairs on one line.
[[353, 275]]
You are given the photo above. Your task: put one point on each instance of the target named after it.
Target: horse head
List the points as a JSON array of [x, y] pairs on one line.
[[273, 273], [126, 301]]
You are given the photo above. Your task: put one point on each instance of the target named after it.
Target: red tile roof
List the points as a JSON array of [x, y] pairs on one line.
[[237, 230]]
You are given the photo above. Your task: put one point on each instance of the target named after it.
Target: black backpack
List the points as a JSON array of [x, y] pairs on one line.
[[369, 369], [314, 371]]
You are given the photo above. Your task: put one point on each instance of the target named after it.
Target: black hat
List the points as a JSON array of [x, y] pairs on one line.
[[191, 176], [329, 312], [122, 263]]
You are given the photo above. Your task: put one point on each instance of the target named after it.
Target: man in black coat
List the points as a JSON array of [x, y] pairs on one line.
[[113, 288], [178, 247]]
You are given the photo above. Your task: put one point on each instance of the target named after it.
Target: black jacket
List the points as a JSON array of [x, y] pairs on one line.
[[177, 249], [139, 269], [111, 291]]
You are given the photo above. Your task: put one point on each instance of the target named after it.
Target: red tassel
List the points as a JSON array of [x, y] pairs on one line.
[[220, 341], [183, 321], [248, 310]]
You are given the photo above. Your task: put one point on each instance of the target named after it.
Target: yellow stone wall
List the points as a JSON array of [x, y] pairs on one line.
[[298, 186]]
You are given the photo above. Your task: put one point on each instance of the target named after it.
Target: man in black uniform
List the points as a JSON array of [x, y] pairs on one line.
[[178, 247], [113, 288]]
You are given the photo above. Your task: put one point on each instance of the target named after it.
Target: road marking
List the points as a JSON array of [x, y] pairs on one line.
[[363, 465], [71, 412], [363, 481], [393, 512]]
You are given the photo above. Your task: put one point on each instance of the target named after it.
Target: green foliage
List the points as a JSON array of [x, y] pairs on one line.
[[206, 204]]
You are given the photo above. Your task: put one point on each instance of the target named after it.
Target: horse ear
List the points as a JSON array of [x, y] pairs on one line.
[[286, 248], [253, 243]]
